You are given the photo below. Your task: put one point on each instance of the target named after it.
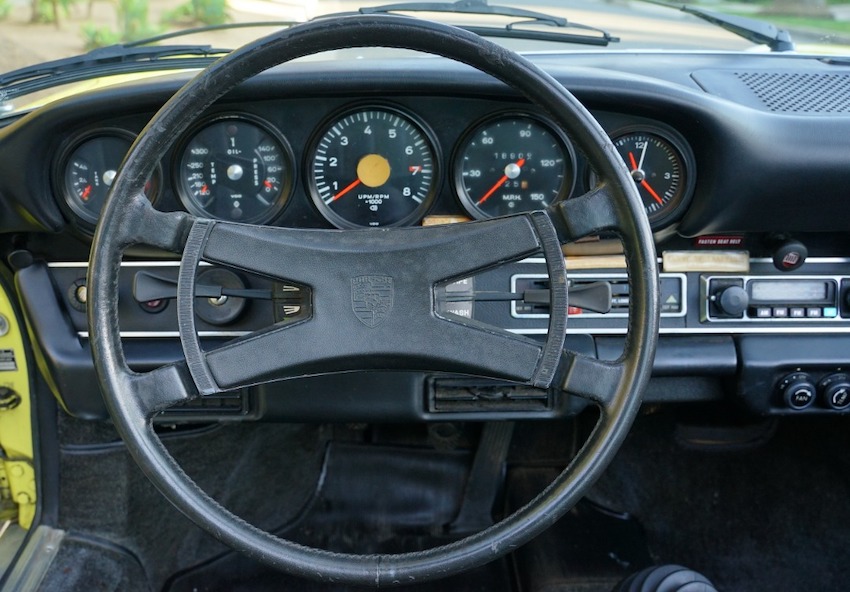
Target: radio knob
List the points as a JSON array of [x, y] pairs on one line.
[[733, 301], [835, 390], [798, 390]]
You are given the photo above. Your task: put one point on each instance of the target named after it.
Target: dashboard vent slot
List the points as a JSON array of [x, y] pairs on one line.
[[780, 91]]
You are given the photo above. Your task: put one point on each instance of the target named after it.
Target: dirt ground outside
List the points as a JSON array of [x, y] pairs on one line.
[[23, 43]]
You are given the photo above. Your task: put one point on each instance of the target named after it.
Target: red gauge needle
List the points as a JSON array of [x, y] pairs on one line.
[[268, 184], [86, 193], [643, 182], [499, 183], [346, 190]]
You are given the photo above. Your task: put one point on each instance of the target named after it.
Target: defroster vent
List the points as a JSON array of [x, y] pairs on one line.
[[780, 91]]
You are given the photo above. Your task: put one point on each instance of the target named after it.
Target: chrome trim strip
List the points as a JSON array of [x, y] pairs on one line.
[[702, 331], [601, 277]]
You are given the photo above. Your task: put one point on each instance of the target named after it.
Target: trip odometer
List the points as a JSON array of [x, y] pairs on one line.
[[372, 167], [235, 168]]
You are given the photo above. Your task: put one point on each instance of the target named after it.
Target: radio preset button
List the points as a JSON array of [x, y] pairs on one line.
[[814, 313], [830, 312], [798, 313], [764, 312], [780, 313]]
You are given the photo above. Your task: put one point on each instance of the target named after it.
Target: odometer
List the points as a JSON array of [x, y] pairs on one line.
[[511, 164], [235, 168], [372, 167]]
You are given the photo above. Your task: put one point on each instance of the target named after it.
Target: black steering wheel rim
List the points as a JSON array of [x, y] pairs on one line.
[[132, 399]]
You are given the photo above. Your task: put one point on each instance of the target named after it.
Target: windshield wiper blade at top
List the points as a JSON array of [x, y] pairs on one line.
[[113, 59], [760, 32], [512, 30]]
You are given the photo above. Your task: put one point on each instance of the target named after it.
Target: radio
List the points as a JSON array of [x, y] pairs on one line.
[[772, 298]]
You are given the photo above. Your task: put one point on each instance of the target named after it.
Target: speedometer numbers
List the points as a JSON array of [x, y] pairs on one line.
[[511, 164], [235, 168], [372, 167]]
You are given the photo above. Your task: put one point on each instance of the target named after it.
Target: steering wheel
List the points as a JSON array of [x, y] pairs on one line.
[[412, 336]]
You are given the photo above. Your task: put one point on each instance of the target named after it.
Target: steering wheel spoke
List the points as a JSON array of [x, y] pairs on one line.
[[587, 215], [595, 380], [161, 388]]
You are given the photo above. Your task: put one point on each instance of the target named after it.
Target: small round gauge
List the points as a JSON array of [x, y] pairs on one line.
[[512, 163], [89, 168], [372, 167], [235, 168], [662, 168]]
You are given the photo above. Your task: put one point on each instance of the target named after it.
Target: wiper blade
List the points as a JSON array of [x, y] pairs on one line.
[[113, 59], [512, 30], [751, 29]]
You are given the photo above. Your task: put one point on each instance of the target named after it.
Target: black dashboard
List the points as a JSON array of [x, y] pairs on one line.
[[752, 159]]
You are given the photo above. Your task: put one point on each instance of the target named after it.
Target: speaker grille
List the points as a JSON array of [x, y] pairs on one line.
[[793, 92]]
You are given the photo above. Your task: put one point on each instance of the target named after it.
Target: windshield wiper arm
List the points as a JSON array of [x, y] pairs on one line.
[[750, 29], [480, 7], [113, 59]]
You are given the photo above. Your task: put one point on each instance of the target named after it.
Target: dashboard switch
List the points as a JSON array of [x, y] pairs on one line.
[[790, 255], [798, 390], [835, 391]]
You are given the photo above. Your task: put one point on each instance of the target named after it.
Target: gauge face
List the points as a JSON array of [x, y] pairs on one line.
[[659, 167], [373, 167], [90, 168], [512, 164], [235, 168]]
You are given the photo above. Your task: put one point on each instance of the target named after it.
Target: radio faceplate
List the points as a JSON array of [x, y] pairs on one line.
[[772, 298]]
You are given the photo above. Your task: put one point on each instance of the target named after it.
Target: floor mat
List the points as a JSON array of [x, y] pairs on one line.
[[372, 500], [773, 517]]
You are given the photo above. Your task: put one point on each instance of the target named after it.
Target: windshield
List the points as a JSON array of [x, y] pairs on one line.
[[37, 31]]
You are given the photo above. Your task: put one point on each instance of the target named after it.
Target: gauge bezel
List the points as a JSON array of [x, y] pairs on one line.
[[462, 145], [675, 209], [288, 180], [327, 123], [80, 217]]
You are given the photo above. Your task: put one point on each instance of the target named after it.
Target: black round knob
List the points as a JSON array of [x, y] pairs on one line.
[[790, 255], [733, 301], [798, 390], [835, 391]]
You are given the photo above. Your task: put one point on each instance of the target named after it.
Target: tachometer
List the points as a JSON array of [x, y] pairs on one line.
[[372, 167], [89, 167], [235, 168], [512, 163]]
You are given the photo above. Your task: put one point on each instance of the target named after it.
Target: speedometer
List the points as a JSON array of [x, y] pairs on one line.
[[235, 168], [372, 167], [512, 163]]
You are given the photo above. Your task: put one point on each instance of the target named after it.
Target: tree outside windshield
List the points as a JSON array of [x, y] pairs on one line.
[[33, 31]]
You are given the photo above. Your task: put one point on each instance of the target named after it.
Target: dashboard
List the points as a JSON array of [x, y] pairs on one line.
[[746, 194]]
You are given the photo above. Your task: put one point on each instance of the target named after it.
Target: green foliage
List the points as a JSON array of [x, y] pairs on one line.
[[94, 37], [205, 12], [133, 20], [132, 26]]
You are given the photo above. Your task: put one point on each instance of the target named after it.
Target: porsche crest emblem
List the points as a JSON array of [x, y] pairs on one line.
[[372, 298]]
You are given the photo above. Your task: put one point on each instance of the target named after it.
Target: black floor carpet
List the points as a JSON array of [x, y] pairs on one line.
[[771, 517]]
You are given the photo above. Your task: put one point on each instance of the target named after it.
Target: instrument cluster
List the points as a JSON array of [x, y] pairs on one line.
[[374, 165]]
